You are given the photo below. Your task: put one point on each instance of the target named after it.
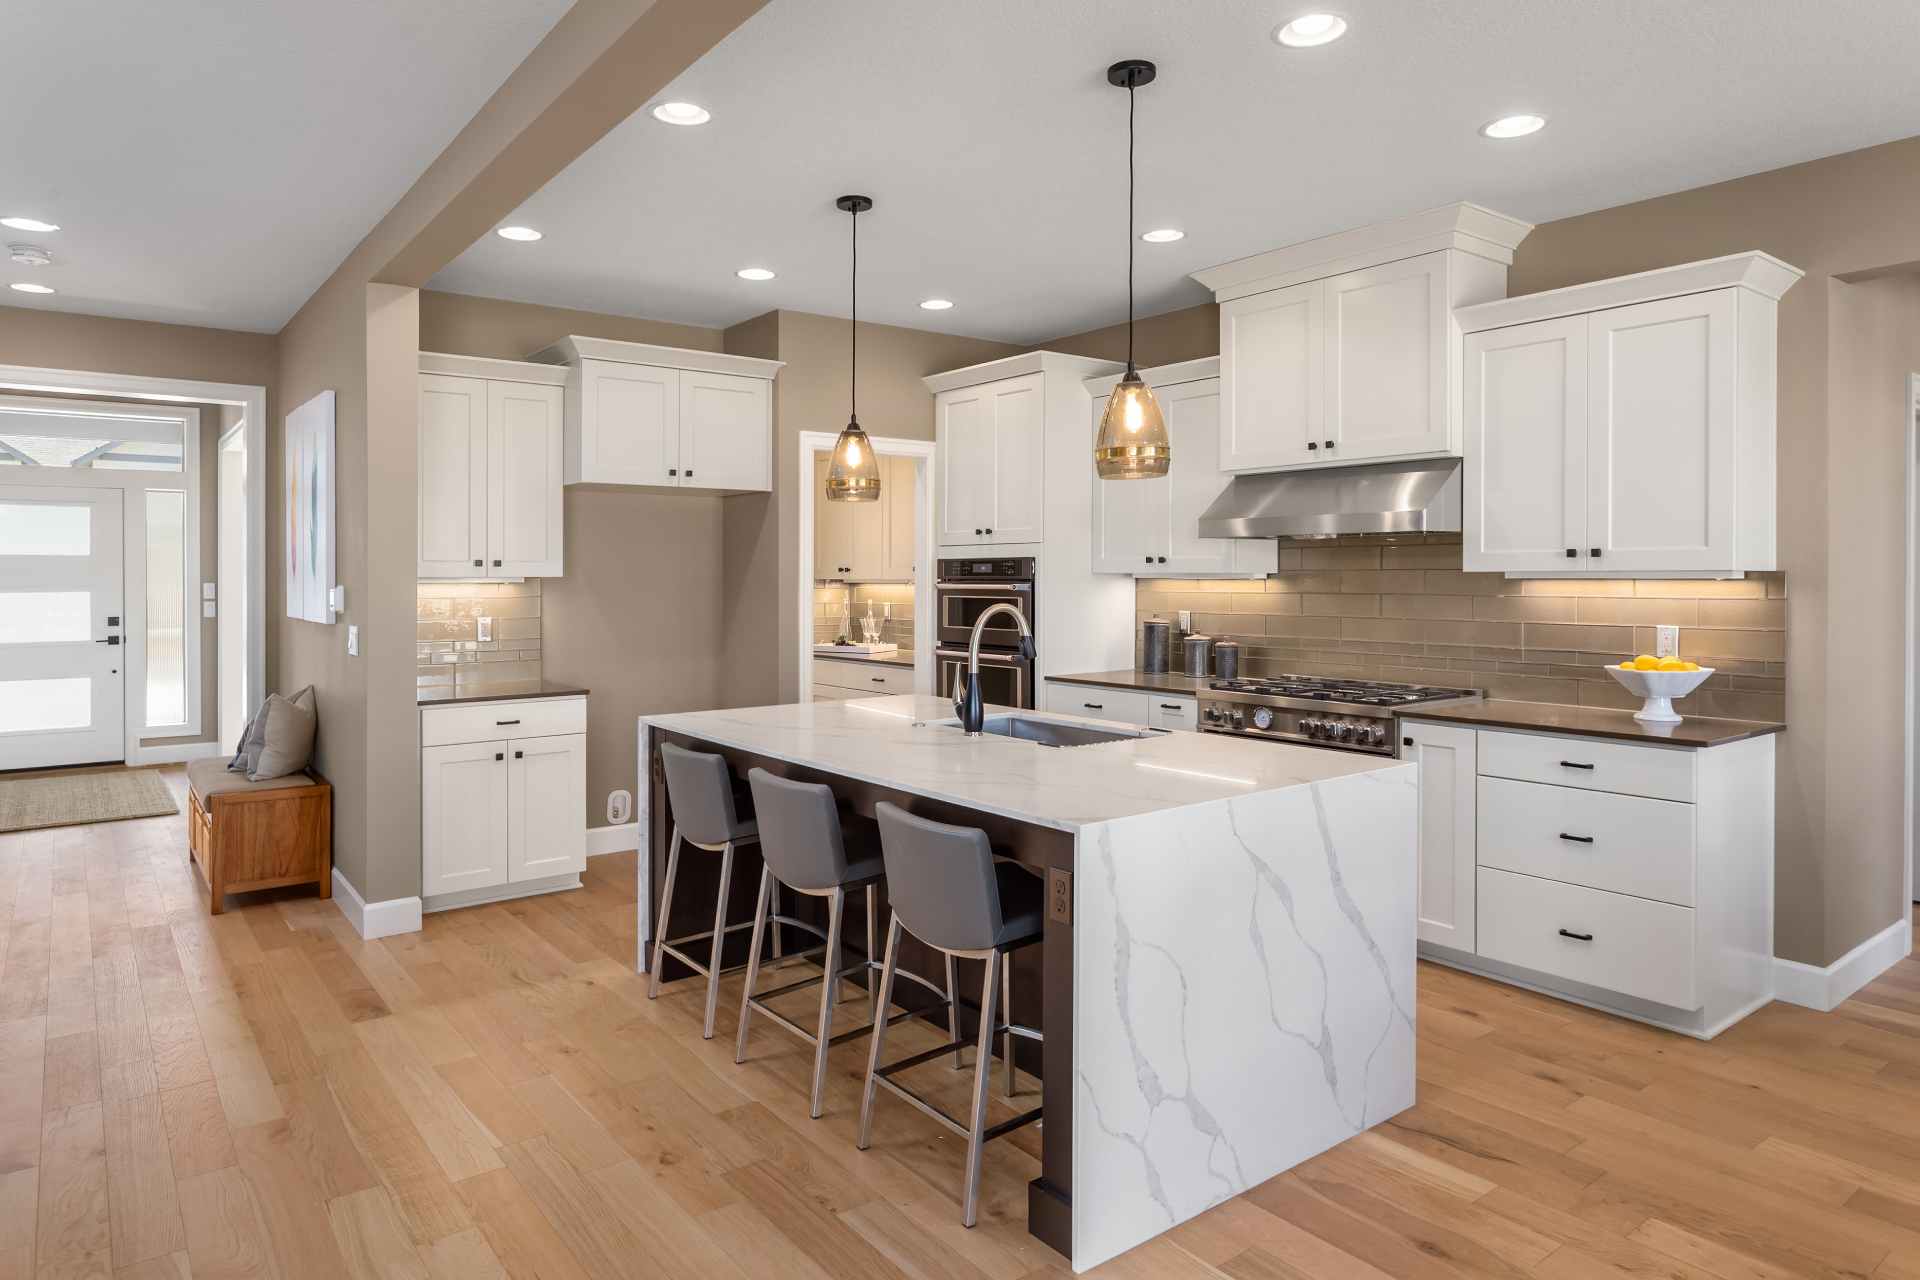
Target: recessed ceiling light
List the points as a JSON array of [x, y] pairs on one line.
[[1163, 235], [518, 233], [1310, 29], [937, 304], [683, 113], [1513, 126], [754, 273], [24, 287], [28, 224]]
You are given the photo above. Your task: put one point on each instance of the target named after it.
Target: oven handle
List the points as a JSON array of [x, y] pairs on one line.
[[980, 589]]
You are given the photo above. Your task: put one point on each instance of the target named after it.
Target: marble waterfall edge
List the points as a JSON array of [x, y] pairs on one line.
[[1244, 972]]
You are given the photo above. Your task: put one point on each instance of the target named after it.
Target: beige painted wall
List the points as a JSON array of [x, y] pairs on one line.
[[1172, 336], [471, 326]]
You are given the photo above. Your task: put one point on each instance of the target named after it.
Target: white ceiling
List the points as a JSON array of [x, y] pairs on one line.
[[993, 146], [211, 162]]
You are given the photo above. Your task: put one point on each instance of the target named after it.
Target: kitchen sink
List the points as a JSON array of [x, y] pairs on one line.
[[1052, 733]]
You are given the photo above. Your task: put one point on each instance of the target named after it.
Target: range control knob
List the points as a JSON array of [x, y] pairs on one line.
[[1262, 718], [1343, 732], [1310, 727], [1370, 735]]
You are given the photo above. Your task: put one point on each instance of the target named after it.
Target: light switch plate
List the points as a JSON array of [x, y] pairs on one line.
[[486, 628], [353, 640], [1186, 620], [207, 590], [206, 608], [1666, 642]]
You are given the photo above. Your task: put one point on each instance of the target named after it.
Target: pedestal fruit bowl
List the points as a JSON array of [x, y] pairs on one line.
[[1659, 689]]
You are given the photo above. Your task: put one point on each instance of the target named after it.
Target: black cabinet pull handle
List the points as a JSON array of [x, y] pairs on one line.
[[1163, 559], [1577, 937], [1149, 559], [478, 565], [979, 531], [989, 530], [879, 679], [1574, 764], [1170, 706], [1573, 553], [1594, 552], [1577, 839], [519, 755], [1094, 706], [496, 564], [499, 755], [689, 473], [506, 722], [1329, 444], [673, 471], [1311, 445], [1406, 742]]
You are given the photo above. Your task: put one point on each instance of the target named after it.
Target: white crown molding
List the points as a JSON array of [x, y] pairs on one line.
[[374, 919], [497, 370], [1469, 228], [571, 350], [1826, 988], [1081, 367], [1761, 272], [1165, 375]]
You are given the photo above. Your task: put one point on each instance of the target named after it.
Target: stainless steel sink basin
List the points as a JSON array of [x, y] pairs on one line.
[[1052, 733]]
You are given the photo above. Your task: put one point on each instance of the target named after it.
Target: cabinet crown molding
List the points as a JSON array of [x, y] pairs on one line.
[[974, 375], [492, 369], [1165, 375], [1469, 228], [1760, 272], [571, 350]]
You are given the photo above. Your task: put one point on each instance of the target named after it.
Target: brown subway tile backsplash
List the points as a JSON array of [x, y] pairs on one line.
[[447, 632], [1405, 610]]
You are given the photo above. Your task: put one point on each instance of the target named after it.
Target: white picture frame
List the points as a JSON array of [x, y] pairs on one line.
[[308, 490]]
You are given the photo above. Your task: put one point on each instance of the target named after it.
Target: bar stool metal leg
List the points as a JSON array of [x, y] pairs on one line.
[[873, 989], [982, 1086], [666, 906], [779, 933], [767, 890], [865, 1138], [953, 1012], [719, 938], [1006, 1002], [829, 991]]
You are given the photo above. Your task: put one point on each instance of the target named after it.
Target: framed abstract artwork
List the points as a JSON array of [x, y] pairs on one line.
[[309, 507]]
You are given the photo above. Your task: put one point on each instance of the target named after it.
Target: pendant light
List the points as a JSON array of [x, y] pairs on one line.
[[853, 475], [1132, 444]]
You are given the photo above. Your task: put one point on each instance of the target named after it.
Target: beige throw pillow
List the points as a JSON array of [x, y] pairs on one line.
[[288, 744]]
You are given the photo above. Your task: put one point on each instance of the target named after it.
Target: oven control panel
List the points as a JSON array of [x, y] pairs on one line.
[[1319, 728]]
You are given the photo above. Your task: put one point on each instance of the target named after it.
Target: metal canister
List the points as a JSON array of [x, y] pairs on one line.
[[1156, 645], [1226, 659], [1197, 648]]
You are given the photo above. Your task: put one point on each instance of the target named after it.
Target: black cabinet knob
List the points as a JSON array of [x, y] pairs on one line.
[[519, 755], [1329, 444], [978, 532], [1573, 553], [1163, 559], [478, 565], [1312, 445], [1406, 742], [673, 471], [499, 755], [496, 564], [989, 530], [689, 473], [1594, 552]]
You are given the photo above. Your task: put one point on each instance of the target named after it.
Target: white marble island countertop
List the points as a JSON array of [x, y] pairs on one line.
[[899, 742]]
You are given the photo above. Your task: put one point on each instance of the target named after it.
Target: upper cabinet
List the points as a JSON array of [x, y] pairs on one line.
[[1625, 428], [1150, 528], [1344, 349], [1014, 451], [489, 468], [865, 541], [664, 417]]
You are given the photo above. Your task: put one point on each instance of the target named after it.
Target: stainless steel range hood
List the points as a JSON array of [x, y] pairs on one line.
[[1383, 497]]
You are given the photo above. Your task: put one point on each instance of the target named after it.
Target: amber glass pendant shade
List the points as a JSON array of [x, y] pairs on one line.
[[1133, 442], [853, 473]]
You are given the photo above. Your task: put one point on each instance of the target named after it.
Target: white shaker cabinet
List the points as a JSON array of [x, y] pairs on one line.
[[1344, 349], [1447, 759], [992, 442], [489, 463], [1151, 528], [865, 541], [1626, 427], [503, 799], [646, 416]]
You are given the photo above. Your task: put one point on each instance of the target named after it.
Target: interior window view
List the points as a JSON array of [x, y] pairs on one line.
[[1165, 658]]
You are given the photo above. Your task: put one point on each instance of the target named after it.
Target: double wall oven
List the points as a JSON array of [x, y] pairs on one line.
[[966, 589]]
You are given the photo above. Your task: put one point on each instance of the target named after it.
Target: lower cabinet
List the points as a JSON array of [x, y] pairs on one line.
[[498, 810], [1128, 706], [1632, 878]]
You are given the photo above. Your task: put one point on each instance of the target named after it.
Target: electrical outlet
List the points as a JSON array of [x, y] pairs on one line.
[[1060, 895], [1186, 620], [619, 807], [353, 640], [1666, 642], [486, 628]]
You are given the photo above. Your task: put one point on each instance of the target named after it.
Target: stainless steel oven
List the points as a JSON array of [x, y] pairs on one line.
[[1006, 679], [965, 589]]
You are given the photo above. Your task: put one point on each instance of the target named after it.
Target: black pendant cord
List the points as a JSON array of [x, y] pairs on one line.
[[1129, 226], [853, 334]]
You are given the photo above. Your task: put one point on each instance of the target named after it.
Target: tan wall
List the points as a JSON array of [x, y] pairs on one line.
[[469, 326], [1188, 334]]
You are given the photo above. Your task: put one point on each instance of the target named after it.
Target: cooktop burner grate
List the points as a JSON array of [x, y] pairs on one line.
[[1367, 693]]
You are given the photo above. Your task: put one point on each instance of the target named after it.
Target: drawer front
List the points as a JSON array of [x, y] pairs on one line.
[[1165, 712], [862, 677], [1129, 706], [1625, 844], [488, 721], [1607, 940], [1663, 773]]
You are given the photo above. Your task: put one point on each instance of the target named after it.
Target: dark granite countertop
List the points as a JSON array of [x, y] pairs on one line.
[[496, 691], [1594, 722], [898, 658], [1171, 682]]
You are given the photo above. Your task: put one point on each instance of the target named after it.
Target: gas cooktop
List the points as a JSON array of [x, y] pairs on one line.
[[1352, 715], [1363, 693]]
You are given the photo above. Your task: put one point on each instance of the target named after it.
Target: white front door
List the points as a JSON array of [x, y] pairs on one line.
[[62, 668]]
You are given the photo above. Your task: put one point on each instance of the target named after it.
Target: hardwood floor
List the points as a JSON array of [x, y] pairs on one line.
[[263, 1094]]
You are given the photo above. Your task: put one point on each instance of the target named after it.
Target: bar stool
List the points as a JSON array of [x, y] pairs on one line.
[[948, 892], [805, 849], [706, 815]]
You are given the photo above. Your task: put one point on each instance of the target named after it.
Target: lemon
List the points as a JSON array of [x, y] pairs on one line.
[[1689, 666], [1672, 664], [1646, 662]]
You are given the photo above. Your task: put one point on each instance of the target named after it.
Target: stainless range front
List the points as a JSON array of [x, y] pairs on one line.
[[1348, 715]]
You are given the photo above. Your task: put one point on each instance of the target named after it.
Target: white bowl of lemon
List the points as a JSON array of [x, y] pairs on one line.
[[1659, 681]]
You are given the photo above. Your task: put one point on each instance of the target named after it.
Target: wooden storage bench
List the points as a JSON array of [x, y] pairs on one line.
[[258, 835]]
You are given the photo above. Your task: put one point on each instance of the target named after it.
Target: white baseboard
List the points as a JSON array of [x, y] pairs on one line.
[[374, 919], [500, 892], [616, 839], [1824, 989], [173, 752]]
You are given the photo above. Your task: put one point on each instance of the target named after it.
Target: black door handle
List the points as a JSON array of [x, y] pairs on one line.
[[1577, 937], [1574, 764], [109, 640], [1577, 839]]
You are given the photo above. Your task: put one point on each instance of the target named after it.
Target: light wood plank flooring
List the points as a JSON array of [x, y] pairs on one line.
[[263, 1094]]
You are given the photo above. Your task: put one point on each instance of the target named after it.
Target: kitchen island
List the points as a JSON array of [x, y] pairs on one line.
[[1227, 978]]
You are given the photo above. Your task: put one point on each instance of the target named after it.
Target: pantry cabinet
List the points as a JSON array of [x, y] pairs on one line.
[[1625, 428], [663, 417], [503, 799], [489, 469], [1344, 349], [1150, 528], [865, 541]]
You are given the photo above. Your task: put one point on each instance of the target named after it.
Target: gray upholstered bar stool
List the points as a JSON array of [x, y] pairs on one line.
[[706, 815], [805, 849], [948, 892]]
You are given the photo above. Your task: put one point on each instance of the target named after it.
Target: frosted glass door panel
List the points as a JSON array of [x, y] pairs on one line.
[[45, 529], [34, 706], [45, 617]]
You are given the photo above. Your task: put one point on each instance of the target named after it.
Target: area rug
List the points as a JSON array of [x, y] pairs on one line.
[[69, 800]]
